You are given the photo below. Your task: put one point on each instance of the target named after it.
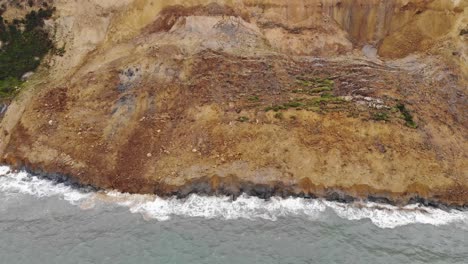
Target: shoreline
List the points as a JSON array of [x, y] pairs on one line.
[[234, 188], [222, 99]]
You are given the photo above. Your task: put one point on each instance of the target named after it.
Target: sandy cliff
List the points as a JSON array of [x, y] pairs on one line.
[[314, 97]]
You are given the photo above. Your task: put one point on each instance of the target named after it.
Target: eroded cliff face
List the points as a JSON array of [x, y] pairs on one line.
[[363, 98]]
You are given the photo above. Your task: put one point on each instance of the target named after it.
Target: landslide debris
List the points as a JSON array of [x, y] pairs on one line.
[[257, 97]]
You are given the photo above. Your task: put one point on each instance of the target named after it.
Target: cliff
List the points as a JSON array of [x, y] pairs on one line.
[[313, 97]]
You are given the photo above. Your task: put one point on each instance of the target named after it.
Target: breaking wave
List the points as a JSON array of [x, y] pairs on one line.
[[244, 207], [14, 183]]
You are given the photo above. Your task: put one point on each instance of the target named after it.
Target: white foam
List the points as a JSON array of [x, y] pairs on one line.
[[244, 207], [224, 208], [14, 183], [387, 216], [383, 216]]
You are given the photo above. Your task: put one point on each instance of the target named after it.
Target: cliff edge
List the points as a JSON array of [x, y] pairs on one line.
[[343, 99]]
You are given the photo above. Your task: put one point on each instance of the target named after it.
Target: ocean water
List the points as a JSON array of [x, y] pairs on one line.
[[45, 222]]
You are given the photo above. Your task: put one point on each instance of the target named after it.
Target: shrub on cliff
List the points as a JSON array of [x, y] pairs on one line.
[[8, 86], [23, 45], [406, 115]]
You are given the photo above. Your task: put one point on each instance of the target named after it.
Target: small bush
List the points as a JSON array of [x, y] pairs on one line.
[[380, 116], [292, 104], [25, 43], [9, 86], [406, 115], [327, 95]]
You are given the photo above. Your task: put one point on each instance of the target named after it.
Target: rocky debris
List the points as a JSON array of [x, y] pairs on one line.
[[129, 78], [26, 76], [370, 102], [370, 52], [3, 108]]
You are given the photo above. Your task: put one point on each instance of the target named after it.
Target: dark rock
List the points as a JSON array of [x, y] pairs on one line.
[[339, 197], [380, 199]]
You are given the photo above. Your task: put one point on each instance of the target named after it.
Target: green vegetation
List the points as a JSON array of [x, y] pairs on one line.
[[406, 115], [293, 104], [25, 42], [315, 82], [325, 99], [254, 99], [285, 106], [327, 95], [312, 91], [9, 86], [311, 104], [314, 85], [380, 116]]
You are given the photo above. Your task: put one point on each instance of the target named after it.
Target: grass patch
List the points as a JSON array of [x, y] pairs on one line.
[[380, 116], [321, 89], [406, 115], [253, 99], [315, 82], [285, 106], [313, 104], [9, 86], [314, 86], [313, 91], [293, 104], [327, 95]]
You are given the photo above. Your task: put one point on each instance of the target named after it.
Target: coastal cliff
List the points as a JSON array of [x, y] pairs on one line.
[[322, 98]]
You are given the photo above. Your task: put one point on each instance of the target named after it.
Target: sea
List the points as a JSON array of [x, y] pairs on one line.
[[43, 221]]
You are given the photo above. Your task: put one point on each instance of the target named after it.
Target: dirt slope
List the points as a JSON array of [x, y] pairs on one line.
[[317, 98]]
